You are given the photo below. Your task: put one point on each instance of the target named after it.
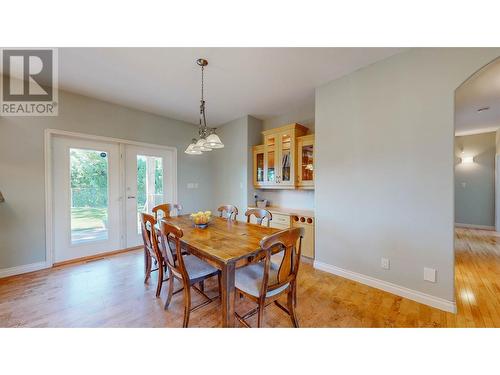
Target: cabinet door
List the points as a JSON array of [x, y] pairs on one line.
[[258, 162], [270, 157], [306, 163], [286, 154]]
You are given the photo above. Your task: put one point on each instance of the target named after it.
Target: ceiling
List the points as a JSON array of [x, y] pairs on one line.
[[479, 91], [263, 82]]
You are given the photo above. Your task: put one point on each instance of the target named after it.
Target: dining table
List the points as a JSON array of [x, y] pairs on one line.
[[224, 243]]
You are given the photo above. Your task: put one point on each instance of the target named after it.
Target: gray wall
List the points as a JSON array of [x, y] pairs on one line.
[[229, 166], [254, 138], [475, 183], [22, 215], [384, 174], [232, 165], [303, 114]]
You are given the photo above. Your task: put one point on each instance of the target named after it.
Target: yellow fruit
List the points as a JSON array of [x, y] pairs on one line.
[[208, 213]]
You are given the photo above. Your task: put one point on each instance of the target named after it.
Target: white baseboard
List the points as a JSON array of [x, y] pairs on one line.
[[23, 269], [414, 295], [474, 226]]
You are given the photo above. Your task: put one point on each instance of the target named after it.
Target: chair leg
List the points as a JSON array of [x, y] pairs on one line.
[[147, 266], [295, 295], [187, 304], [260, 315], [170, 290], [202, 285], [219, 281], [160, 281], [291, 308]]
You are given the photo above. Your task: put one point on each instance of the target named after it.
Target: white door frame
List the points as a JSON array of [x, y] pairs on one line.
[[49, 203]]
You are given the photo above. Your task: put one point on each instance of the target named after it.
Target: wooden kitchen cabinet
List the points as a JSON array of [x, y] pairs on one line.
[[288, 218], [305, 158], [279, 157], [307, 223], [258, 165]]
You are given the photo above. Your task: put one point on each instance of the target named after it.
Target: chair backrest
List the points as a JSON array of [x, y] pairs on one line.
[[260, 214], [177, 207], [171, 235], [150, 242], [284, 241], [164, 208], [228, 211]]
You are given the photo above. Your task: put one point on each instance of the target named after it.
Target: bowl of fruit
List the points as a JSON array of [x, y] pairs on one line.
[[201, 219]]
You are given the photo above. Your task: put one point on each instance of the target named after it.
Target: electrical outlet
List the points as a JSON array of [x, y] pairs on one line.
[[430, 274], [384, 263]]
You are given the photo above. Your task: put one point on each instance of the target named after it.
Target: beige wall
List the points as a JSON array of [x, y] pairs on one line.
[[384, 173], [22, 215]]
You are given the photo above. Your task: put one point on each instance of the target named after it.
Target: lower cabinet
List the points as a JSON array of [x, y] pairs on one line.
[[285, 221], [308, 240]]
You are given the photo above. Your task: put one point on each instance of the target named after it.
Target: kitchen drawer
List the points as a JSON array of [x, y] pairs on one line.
[[279, 226], [282, 220]]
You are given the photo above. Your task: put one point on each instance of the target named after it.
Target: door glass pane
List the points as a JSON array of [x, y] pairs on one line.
[[149, 185], [285, 157], [89, 195], [260, 167], [307, 164]]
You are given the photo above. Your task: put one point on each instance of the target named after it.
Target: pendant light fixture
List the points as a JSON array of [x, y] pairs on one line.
[[208, 139]]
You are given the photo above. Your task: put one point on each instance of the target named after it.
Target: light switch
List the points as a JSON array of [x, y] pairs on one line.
[[430, 274], [464, 184]]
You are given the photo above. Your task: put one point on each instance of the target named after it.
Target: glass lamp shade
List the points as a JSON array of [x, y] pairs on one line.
[[201, 145], [213, 141], [191, 151]]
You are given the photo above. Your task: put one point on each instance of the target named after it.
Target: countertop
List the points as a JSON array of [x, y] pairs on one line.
[[288, 211]]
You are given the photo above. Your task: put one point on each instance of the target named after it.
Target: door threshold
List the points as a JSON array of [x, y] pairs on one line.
[[95, 256]]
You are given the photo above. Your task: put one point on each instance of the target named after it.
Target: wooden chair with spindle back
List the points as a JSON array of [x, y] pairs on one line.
[[263, 282], [151, 250], [188, 269], [260, 214], [164, 208], [228, 211]]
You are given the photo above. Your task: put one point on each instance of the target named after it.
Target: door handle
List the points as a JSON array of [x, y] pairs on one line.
[[131, 197]]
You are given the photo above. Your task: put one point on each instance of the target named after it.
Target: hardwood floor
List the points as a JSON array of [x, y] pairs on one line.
[[110, 293]]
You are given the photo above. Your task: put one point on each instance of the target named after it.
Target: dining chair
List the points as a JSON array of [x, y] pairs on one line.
[[228, 211], [164, 208], [177, 207], [263, 282], [188, 269], [151, 250], [260, 214]]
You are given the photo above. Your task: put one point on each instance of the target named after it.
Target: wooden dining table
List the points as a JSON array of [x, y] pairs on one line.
[[223, 244]]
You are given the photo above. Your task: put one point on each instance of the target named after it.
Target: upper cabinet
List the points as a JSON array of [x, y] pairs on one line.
[[258, 165], [276, 162], [305, 147]]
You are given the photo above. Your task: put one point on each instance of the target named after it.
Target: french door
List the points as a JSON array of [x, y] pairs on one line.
[[99, 190], [86, 197], [148, 172]]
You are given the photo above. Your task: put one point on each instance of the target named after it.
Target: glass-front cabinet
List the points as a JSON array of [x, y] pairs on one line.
[[258, 165], [305, 148], [279, 157]]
